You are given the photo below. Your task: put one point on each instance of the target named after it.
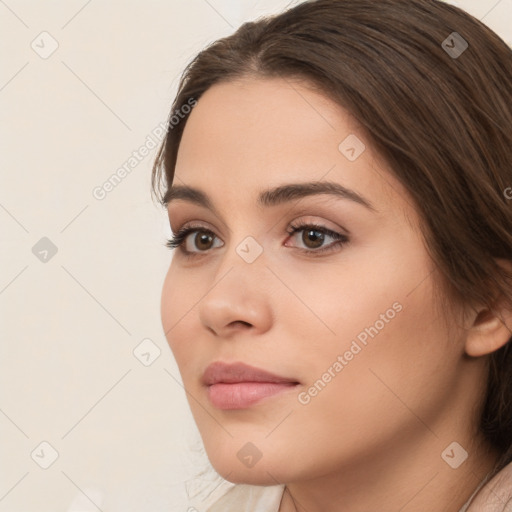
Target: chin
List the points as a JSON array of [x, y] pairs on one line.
[[250, 476], [236, 466]]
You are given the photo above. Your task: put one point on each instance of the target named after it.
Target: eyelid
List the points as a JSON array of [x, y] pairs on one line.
[[195, 224], [303, 219], [184, 213]]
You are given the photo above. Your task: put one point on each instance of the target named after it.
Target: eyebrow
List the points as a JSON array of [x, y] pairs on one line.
[[271, 197]]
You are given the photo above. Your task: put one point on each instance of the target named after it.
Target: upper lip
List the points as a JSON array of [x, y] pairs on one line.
[[239, 372]]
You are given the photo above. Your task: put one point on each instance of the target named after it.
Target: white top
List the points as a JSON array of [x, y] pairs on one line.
[[495, 496], [249, 498]]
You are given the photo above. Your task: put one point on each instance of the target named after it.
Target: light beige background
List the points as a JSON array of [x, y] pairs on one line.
[[69, 325]]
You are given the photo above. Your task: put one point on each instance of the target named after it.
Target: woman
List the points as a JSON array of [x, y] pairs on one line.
[[340, 299]]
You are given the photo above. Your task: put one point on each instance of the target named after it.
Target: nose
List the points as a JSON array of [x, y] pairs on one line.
[[239, 299]]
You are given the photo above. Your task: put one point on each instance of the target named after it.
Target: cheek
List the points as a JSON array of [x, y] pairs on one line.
[[386, 330], [379, 289], [361, 295], [177, 313], [168, 303], [389, 347], [389, 389]]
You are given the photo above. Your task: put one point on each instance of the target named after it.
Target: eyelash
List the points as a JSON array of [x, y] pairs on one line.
[[179, 239]]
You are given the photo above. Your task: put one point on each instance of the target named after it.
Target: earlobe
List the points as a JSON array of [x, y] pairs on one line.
[[490, 331]]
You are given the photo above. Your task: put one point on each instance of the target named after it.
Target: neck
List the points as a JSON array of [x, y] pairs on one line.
[[416, 480]]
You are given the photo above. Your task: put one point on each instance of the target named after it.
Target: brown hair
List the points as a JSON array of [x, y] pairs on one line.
[[442, 121]]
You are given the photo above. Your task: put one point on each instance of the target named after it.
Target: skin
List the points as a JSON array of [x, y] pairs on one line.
[[372, 439]]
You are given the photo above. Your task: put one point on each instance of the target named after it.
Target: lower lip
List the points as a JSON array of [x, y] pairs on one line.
[[240, 395]]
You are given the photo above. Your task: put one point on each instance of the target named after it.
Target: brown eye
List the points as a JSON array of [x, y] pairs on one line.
[[313, 238], [202, 241]]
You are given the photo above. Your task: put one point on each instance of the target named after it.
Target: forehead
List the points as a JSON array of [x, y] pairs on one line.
[[266, 121], [246, 136]]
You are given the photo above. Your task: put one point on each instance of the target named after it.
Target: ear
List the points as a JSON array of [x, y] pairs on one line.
[[489, 332], [490, 329]]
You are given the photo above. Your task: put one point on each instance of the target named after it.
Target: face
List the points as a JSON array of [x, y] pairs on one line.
[[342, 309]]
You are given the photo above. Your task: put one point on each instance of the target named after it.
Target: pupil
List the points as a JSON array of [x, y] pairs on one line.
[[203, 238], [316, 235]]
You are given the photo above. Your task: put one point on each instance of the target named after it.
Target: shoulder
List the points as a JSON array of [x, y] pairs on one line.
[[496, 494], [249, 498]]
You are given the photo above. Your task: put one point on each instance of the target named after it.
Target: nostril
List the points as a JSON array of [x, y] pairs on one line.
[[240, 322]]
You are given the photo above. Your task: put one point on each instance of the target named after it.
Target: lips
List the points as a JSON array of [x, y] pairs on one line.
[[239, 372], [238, 385]]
